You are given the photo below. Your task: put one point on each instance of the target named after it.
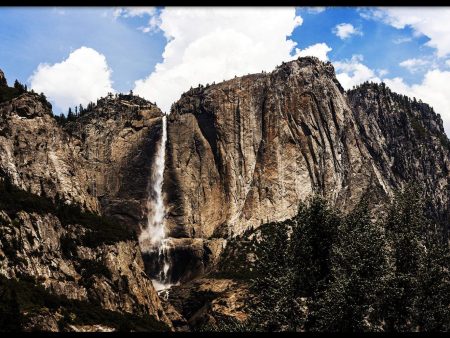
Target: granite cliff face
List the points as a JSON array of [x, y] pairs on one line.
[[407, 142], [116, 144], [36, 153], [54, 172], [247, 151]]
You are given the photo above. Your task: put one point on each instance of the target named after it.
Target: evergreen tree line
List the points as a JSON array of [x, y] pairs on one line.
[[324, 271], [77, 112]]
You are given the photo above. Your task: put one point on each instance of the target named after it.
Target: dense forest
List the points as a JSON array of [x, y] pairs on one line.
[[324, 271]]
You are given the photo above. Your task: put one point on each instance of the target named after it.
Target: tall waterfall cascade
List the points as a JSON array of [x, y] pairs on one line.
[[153, 238]]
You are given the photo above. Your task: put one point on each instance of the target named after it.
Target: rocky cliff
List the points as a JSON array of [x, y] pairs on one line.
[[248, 150], [116, 141], [407, 142], [55, 183], [36, 153], [239, 153]]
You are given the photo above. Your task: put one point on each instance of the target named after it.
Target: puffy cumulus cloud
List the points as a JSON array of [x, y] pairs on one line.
[[83, 77], [433, 90], [215, 44], [353, 72], [319, 50], [346, 30], [414, 65], [433, 22]]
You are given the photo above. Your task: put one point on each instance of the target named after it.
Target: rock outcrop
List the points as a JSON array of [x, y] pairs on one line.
[[248, 150], [204, 301], [37, 155], [407, 142], [87, 167], [116, 143]]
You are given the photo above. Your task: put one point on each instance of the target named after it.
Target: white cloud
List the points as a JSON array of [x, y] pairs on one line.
[[315, 10], [382, 72], [214, 44], [433, 22], [353, 72], [345, 30], [128, 12], [83, 77], [319, 50], [447, 62], [414, 65], [402, 40], [433, 90]]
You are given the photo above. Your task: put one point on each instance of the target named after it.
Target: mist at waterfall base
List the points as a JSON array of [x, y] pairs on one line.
[[153, 238]]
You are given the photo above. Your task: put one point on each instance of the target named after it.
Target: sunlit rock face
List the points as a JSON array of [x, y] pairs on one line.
[[248, 150], [91, 163], [116, 142], [36, 153]]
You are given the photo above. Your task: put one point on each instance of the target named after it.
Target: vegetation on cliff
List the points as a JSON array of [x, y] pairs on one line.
[[324, 271], [103, 230]]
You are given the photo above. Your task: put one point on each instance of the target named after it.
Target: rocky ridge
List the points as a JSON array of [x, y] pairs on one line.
[[248, 150], [54, 176]]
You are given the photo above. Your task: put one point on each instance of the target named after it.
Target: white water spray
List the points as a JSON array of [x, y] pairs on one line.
[[153, 238]]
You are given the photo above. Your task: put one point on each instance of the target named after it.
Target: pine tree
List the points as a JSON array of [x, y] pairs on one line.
[[359, 266], [312, 238], [434, 276], [20, 88], [70, 115], [274, 308], [405, 225]]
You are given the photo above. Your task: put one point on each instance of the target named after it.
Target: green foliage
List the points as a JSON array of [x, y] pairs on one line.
[[230, 325], [101, 230], [19, 299], [323, 271], [274, 285], [420, 130], [359, 269], [9, 93], [406, 227], [433, 304], [314, 232]]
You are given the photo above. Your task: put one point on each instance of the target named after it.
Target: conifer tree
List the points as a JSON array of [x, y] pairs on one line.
[[405, 225], [359, 267]]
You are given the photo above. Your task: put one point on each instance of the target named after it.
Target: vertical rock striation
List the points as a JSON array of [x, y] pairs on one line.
[[248, 150]]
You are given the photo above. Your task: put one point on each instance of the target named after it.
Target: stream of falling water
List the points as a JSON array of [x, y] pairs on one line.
[[153, 239]]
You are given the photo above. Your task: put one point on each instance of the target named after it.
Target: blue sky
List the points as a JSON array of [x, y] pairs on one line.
[[407, 48]]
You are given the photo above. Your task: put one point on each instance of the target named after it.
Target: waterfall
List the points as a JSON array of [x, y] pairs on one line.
[[153, 239]]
